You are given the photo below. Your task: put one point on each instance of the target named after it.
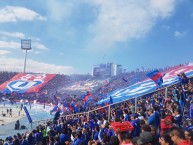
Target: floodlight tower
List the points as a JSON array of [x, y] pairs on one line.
[[25, 45]]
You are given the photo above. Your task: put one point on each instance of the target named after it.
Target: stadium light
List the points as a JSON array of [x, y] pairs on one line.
[[25, 45]]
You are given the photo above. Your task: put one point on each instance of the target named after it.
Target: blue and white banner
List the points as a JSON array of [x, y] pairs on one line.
[[148, 86], [27, 114]]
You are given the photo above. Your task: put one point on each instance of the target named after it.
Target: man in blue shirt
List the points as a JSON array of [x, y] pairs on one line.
[[78, 138], [152, 119], [63, 136], [135, 123]]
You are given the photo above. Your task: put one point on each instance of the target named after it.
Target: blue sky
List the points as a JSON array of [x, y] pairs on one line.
[[72, 36]]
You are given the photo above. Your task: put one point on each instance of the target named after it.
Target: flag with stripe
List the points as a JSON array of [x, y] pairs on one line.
[[156, 76], [54, 109], [27, 114], [85, 99]]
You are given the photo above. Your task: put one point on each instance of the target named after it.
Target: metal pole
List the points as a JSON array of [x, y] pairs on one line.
[[88, 116], [136, 105], [109, 112], [166, 92], [25, 61]]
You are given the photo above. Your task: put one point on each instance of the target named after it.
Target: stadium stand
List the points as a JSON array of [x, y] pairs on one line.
[[163, 116]]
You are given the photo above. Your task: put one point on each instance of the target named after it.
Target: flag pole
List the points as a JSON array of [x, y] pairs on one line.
[[135, 104], [109, 112]]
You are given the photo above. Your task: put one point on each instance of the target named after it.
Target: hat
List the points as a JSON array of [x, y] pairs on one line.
[[10, 138], [134, 115], [145, 137]]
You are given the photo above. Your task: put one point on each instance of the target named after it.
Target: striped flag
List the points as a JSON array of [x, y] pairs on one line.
[[86, 97], [156, 76], [27, 114]]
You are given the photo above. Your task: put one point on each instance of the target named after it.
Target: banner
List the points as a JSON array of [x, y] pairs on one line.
[[148, 85], [27, 114], [25, 83]]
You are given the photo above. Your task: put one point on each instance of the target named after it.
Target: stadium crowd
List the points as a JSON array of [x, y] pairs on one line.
[[160, 118], [5, 75]]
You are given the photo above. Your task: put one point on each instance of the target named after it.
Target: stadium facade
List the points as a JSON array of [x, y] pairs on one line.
[[108, 69]]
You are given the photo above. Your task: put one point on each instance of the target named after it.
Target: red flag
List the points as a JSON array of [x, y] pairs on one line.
[[87, 96]]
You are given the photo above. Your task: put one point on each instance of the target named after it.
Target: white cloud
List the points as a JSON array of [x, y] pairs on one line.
[[118, 21], [115, 21], [14, 14], [10, 44], [59, 10], [37, 52], [40, 46], [13, 34], [179, 34], [3, 52], [12, 64], [163, 8]]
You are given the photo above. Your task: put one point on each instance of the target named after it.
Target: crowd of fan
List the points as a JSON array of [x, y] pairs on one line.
[[50, 89], [5, 75], [128, 78], [50, 94], [62, 81], [121, 81], [159, 119]]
